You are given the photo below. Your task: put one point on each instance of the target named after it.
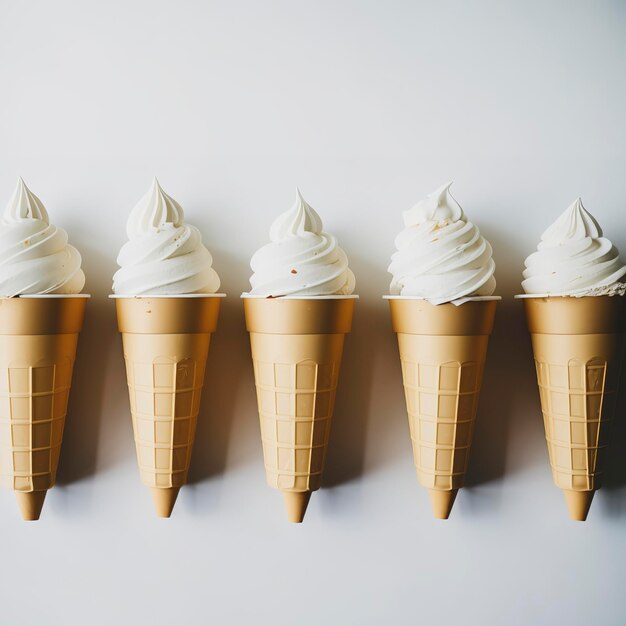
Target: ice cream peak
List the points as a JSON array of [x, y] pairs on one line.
[[573, 224], [154, 212], [24, 205], [301, 219], [163, 255], [35, 256], [302, 259], [441, 256], [439, 206], [573, 257]]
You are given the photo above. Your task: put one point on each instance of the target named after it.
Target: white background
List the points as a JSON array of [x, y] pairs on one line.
[[367, 106]]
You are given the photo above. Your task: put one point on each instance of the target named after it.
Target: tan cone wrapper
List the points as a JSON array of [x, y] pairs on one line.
[[578, 344], [38, 339], [166, 344], [297, 346], [442, 350]]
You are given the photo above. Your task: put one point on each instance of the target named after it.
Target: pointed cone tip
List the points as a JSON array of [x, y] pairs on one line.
[[30, 503], [578, 503], [442, 501], [164, 500], [296, 503]]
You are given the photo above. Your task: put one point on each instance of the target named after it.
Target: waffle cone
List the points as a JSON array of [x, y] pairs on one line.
[[38, 339], [166, 344], [578, 345], [442, 351], [297, 347]]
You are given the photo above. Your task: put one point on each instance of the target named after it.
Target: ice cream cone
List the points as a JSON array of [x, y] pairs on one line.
[[166, 343], [578, 345], [297, 346], [442, 351], [38, 339]]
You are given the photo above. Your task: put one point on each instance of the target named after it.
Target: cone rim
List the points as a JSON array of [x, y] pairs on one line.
[[248, 296], [562, 296], [456, 301], [167, 296], [575, 316], [299, 316], [46, 314], [47, 296], [417, 316]]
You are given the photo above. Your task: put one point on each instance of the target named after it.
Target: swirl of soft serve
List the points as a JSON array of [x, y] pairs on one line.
[[35, 256], [163, 255], [573, 258], [302, 259], [441, 256]]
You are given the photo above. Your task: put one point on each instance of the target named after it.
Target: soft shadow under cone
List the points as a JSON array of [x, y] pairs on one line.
[[30, 503], [578, 503], [442, 501], [164, 500], [296, 503]]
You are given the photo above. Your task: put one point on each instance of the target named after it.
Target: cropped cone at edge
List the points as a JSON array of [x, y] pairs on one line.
[[442, 351], [166, 344], [578, 346], [38, 339], [297, 345]]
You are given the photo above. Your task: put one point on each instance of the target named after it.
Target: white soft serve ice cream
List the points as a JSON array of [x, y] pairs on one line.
[[302, 259], [441, 256], [35, 256], [573, 258], [163, 255]]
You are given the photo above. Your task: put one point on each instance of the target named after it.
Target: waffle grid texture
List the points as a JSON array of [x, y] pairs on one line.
[[441, 401], [33, 407], [165, 397], [296, 402], [578, 401]]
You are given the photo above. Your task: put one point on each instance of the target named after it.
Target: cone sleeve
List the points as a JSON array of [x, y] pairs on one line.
[[578, 345], [38, 339], [166, 343], [442, 352], [297, 345]]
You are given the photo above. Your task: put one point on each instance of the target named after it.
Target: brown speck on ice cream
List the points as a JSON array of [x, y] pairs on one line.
[[294, 271]]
